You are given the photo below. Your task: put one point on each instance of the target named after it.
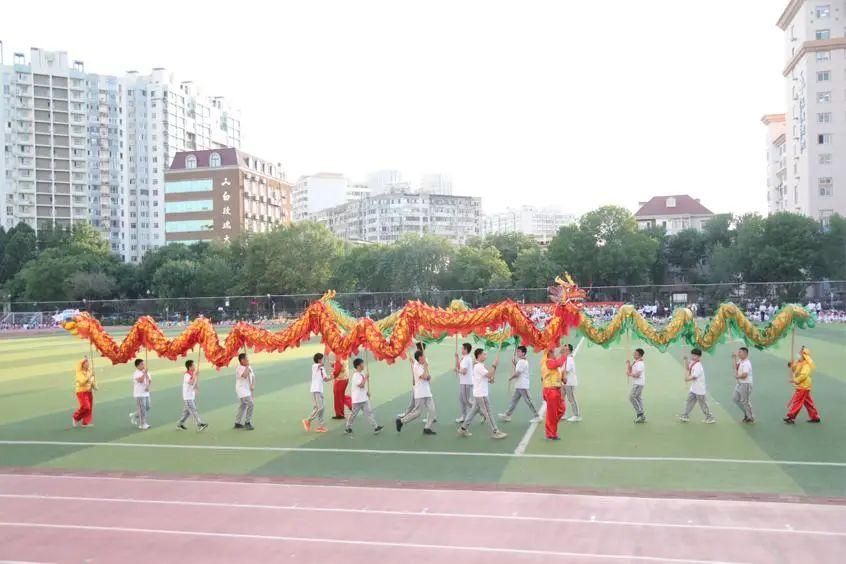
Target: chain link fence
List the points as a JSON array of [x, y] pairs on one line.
[[830, 294]]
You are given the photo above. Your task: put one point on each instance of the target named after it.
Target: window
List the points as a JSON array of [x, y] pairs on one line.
[[824, 117], [822, 11], [822, 34], [823, 76], [191, 160], [826, 186], [824, 139], [823, 56], [824, 158], [189, 225], [825, 217], [214, 160], [190, 206], [823, 97], [671, 202], [182, 186]]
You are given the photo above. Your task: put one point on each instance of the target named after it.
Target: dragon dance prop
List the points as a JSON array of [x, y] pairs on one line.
[[389, 338]]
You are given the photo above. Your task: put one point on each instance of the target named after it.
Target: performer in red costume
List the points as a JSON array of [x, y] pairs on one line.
[[340, 374], [552, 383]]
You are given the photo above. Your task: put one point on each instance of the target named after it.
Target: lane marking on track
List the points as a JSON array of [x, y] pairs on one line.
[[244, 536], [426, 513], [527, 436], [607, 458]]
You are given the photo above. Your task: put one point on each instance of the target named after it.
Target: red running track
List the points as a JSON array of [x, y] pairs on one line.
[[64, 518]]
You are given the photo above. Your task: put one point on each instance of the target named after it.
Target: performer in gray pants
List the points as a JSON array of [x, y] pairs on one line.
[[190, 385], [637, 372], [245, 380], [743, 390], [482, 378], [464, 370], [695, 374], [422, 396], [360, 398], [521, 387]]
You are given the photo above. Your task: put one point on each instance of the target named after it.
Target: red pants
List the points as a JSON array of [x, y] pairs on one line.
[[800, 398], [552, 397], [86, 407], [339, 388]]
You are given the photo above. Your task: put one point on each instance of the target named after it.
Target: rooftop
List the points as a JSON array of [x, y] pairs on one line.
[[672, 205]]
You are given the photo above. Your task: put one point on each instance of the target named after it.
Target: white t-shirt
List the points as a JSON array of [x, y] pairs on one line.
[[745, 366], [639, 373], [697, 372], [189, 390], [523, 380], [317, 375], [466, 364], [480, 381], [358, 395], [139, 389], [570, 371], [242, 384], [421, 387]]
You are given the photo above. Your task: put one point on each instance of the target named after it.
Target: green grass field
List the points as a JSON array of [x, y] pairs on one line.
[[606, 450]]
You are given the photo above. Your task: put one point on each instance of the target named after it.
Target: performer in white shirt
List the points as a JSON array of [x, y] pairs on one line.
[[695, 374], [422, 396], [742, 395], [245, 381], [521, 387], [637, 372], [571, 383]]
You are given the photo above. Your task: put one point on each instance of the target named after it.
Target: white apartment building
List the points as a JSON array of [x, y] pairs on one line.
[[815, 121], [323, 190], [673, 213], [385, 217], [777, 199], [83, 147], [382, 180], [539, 223]]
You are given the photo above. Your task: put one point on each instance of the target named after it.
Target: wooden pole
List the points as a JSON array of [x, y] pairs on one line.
[[367, 367], [793, 344]]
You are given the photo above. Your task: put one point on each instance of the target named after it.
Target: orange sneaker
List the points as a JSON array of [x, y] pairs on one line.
[[307, 425], [321, 430]]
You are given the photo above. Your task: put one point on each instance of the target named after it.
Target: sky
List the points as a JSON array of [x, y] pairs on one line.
[[549, 103]]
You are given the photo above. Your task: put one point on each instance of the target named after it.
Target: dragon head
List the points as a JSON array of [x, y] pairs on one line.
[[567, 292]]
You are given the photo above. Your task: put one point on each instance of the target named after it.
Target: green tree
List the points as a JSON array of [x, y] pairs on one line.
[[174, 279], [686, 251], [781, 247], [509, 245], [418, 263], [294, 259], [91, 285], [20, 247], [474, 267], [533, 269], [832, 250]]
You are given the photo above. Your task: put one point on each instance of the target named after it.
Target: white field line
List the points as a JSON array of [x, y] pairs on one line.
[[323, 540], [426, 514], [234, 448]]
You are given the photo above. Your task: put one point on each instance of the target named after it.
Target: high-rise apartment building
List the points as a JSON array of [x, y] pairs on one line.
[[84, 147], [539, 223], [219, 193], [777, 196], [815, 121]]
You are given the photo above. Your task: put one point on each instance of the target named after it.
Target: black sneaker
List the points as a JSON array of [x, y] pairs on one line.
[[348, 431], [238, 426], [378, 429], [399, 424], [249, 427], [817, 420], [789, 421], [338, 417], [202, 427], [429, 432], [181, 426]]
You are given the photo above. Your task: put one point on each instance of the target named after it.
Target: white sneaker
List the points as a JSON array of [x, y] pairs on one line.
[[75, 422], [144, 427], [400, 415], [574, 419], [710, 420], [133, 418], [464, 433], [684, 418], [499, 435], [459, 420], [504, 417], [535, 420]]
